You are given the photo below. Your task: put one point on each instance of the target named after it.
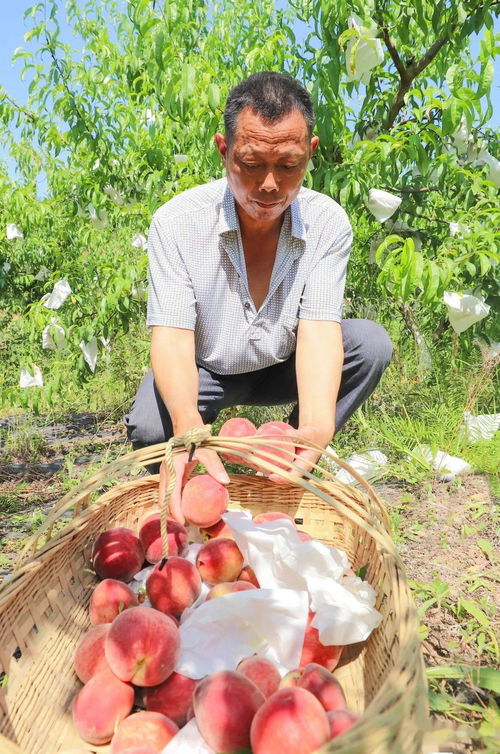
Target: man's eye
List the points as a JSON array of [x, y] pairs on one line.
[[289, 167]]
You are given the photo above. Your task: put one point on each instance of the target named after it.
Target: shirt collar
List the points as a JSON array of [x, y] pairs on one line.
[[228, 217]]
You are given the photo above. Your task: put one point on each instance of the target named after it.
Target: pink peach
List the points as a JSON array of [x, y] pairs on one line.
[[325, 687], [109, 599], [226, 587], [204, 500], [340, 720], [143, 729], [314, 651], [172, 698], [236, 427], [142, 646], [219, 529], [292, 721], [100, 705], [219, 560], [248, 574], [262, 518], [150, 536], [276, 442], [117, 554], [89, 655], [262, 672], [173, 586], [224, 705]]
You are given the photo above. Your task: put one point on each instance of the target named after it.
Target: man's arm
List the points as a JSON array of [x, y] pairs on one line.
[[318, 363], [176, 377]]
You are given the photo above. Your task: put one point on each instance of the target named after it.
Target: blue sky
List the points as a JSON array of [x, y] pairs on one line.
[[13, 28]]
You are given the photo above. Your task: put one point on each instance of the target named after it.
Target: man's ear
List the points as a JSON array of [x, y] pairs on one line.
[[221, 144], [314, 144]]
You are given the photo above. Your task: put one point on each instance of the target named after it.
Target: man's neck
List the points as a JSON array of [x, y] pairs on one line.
[[249, 226]]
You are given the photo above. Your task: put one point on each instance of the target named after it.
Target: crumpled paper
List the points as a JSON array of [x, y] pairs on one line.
[[98, 218], [42, 274], [382, 204], [115, 195], [53, 336], [448, 466], [28, 380], [218, 634], [369, 465], [188, 741], [464, 310], [89, 351], [481, 427], [13, 232], [285, 561], [58, 296], [139, 241]]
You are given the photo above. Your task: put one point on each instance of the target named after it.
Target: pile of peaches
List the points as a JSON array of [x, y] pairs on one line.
[[132, 695]]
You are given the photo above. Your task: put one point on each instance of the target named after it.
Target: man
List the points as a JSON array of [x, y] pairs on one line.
[[246, 283]]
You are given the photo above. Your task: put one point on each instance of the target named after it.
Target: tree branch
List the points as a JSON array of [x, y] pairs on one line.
[[410, 190], [21, 109]]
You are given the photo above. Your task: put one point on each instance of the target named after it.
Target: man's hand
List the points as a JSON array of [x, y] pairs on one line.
[[305, 459], [183, 468]]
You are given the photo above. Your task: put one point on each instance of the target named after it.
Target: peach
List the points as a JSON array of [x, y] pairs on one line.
[[142, 646], [262, 672], [117, 554], [261, 518], [219, 560], [219, 529], [292, 678], [102, 703], [226, 587], [172, 698], [248, 574], [304, 536], [174, 586], [109, 599], [324, 686], [314, 651], [236, 427], [150, 536], [292, 721], [89, 655], [340, 720], [224, 705], [204, 500], [143, 729], [275, 442]]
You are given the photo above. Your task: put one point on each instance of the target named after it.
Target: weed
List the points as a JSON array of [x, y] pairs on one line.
[[23, 441]]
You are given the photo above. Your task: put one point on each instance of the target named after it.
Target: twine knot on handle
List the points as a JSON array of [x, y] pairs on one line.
[[191, 440]]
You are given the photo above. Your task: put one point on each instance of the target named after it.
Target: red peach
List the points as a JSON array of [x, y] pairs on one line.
[[226, 587], [304, 536], [261, 518], [236, 427], [172, 698], [248, 574], [219, 529], [117, 554], [174, 586], [142, 646], [275, 442], [109, 599], [100, 705], [262, 672], [292, 721], [89, 655], [292, 678], [340, 720], [143, 729], [224, 705], [150, 536], [204, 500], [314, 651], [219, 560], [325, 687]]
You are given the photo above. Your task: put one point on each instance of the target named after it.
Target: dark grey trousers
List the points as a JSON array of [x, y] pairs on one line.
[[367, 353]]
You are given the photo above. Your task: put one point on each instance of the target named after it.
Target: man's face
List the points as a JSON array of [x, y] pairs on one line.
[[266, 163]]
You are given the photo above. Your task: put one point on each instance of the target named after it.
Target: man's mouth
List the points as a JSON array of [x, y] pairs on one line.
[[266, 204]]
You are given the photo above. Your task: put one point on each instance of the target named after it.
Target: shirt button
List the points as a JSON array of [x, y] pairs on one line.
[[247, 304]]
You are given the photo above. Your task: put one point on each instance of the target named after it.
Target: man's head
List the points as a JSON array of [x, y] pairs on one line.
[[268, 119]]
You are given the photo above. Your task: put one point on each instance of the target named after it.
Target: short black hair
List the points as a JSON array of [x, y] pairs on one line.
[[272, 95]]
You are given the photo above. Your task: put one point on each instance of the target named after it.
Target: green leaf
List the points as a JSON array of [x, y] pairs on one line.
[[159, 46], [486, 546], [486, 78], [188, 76], [213, 95], [487, 678], [476, 613], [361, 572]]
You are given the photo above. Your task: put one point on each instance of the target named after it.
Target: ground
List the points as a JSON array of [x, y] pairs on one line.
[[446, 532]]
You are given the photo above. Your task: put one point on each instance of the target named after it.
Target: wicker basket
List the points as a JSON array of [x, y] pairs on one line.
[[44, 605]]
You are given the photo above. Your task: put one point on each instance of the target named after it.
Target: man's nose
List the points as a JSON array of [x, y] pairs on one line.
[[269, 183]]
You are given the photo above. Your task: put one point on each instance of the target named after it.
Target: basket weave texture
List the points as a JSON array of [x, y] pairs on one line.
[[44, 605]]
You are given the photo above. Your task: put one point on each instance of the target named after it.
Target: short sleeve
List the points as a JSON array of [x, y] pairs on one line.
[[324, 290], [171, 299]]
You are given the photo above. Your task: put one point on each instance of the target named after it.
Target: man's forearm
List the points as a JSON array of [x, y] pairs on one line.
[[319, 360], [176, 375]]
